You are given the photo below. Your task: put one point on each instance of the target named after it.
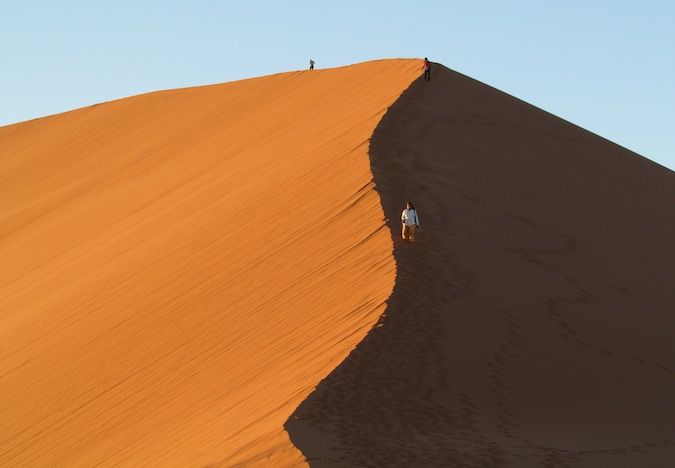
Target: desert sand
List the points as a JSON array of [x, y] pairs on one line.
[[213, 276], [181, 268], [532, 324]]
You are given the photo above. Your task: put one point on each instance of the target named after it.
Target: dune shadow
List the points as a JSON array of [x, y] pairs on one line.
[[491, 317]]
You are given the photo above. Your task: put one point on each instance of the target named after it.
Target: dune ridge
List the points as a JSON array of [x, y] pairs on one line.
[[181, 268], [185, 272], [531, 324]]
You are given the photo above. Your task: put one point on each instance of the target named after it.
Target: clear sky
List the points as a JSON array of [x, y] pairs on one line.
[[606, 65]]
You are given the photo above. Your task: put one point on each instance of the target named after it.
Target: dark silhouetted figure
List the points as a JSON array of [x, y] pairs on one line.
[[311, 64], [427, 69]]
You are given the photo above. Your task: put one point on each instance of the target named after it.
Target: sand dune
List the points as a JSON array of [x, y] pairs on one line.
[[181, 268], [532, 323], [207, 277]]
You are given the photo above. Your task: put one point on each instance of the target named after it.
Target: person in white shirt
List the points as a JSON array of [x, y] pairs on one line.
[[410, 222]]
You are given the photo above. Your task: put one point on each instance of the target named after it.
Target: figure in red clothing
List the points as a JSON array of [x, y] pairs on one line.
[[427, 69]]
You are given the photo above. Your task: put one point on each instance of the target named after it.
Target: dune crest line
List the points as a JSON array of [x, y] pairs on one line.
[[531, 322]]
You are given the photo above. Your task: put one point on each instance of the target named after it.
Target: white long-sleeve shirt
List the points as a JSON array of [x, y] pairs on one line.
[[409, 217]]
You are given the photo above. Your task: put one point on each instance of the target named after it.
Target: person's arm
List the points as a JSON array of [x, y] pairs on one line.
[[403, 216], [417, 219]]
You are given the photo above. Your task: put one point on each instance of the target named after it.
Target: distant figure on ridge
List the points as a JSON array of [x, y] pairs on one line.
[[410, 222], [311, 64], [427, 69]]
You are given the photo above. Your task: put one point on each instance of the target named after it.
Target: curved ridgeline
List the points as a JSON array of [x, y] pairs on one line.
[[531, 323]]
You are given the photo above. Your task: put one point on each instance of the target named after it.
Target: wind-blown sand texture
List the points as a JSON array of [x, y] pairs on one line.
[[181, 269], [533, 322]]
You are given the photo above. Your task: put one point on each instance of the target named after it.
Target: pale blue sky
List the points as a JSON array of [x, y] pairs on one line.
[[606, 65]]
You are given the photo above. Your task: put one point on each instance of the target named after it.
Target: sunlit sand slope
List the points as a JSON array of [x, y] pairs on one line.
[[532, 323], [180, 269]]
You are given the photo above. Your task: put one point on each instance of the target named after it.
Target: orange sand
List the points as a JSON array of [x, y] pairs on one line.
[[181, 268]]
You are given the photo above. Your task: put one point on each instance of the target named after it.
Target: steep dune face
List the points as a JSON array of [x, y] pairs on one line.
[[180, 269], [532, 322]]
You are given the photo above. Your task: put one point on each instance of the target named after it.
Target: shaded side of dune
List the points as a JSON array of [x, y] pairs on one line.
[[531, 323]]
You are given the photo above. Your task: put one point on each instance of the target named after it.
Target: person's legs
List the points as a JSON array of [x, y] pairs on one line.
[[404, 232], [411, 232]]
